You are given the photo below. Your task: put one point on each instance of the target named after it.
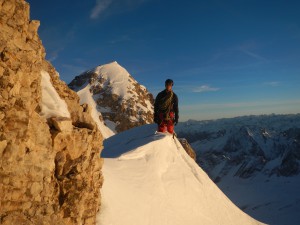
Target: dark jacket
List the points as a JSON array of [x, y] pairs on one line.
[[174, 108]]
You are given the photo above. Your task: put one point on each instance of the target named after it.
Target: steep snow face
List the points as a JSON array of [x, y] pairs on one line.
[[86, 97], [51, 104], [253, 154], [150, 179], [121, 100], [273, 200]]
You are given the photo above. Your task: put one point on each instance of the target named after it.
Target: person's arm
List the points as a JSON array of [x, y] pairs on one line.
[[156, 117], [176, 110]]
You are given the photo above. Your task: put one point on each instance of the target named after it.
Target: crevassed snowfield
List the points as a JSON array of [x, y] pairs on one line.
[[150, 180]]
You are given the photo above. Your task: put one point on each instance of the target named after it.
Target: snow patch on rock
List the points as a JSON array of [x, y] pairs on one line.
[[51, 104]]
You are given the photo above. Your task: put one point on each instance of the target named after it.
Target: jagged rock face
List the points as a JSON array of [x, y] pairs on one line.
[[268, 145], [119, 97], [50, 169]]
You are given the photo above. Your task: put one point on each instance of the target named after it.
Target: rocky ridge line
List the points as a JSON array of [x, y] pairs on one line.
[[50, 168]]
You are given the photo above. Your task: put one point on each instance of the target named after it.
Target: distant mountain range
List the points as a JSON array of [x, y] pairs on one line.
[[255, 160], [251, 143]]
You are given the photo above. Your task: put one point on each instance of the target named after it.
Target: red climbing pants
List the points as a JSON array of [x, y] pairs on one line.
[[166, 125]]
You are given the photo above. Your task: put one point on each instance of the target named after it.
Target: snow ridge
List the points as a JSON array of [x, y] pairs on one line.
[[150, 179]]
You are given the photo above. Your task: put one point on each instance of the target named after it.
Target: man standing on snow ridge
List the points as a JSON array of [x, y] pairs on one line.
[[166, 108]]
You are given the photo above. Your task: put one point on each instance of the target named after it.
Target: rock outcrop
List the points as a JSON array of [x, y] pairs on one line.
[[121, 100], [50, 168], [188, 148]]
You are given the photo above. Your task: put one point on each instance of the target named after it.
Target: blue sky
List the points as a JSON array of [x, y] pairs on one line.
[[227, 58]]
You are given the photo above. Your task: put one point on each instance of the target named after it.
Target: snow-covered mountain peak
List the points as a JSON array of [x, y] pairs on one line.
[[121, 100], [116, 78]]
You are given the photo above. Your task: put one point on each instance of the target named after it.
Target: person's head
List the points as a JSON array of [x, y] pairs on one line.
[[169, 84]]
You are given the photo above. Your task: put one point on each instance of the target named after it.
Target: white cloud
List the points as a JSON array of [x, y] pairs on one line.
[[232, 109], [54, 54], [205, 88], [272, 83], [233, 105], [114, 6], [254, 55], [249, 49], [75, 69], [53, 57], [100, 7], [122, 38]]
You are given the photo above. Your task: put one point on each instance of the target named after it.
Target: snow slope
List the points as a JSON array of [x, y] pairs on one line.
[[273, 200], [86, 97], [150, 179]]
